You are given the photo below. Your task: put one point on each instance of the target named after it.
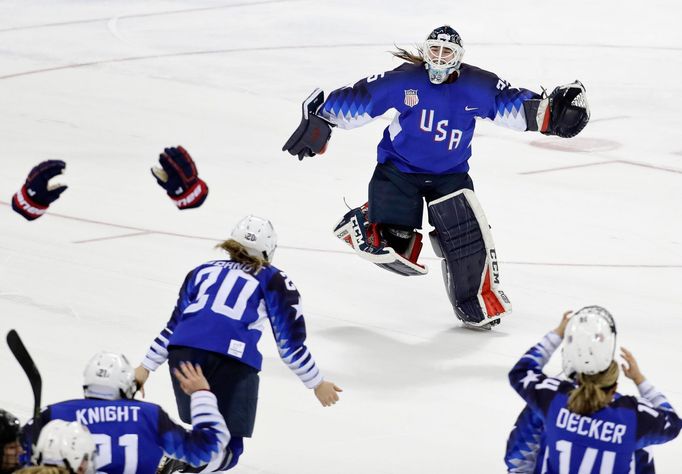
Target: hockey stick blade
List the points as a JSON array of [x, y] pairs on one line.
[[23, 357]]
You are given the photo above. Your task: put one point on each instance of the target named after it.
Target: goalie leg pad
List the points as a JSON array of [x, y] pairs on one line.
[[470, 270], [365, 239]]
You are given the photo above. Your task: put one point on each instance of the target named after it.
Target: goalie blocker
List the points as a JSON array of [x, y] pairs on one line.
[[463, 240], [313, 133]]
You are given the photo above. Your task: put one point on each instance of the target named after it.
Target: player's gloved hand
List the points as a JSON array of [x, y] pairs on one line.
[[36, 195], [191, 378], [568, 110], [313, 133], [179, 177], [327, 393]]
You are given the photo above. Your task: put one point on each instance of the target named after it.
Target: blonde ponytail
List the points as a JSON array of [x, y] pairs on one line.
[[414, 58], [238, 253], [594, 392]]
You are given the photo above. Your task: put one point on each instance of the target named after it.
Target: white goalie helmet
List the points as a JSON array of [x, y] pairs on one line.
[[589, 341], [443, 53], [257, 235], [66, 444], [109, 376]]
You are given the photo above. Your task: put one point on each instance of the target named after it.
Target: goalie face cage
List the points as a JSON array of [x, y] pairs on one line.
[[441, 58]]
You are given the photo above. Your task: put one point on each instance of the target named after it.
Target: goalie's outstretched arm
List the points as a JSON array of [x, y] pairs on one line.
[[346, 107]]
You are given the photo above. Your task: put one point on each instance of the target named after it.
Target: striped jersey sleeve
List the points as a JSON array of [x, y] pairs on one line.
[[283, 303], [157, 353], [205, 443], [651, 393], [505, 106], [352, 107], [527, 378]]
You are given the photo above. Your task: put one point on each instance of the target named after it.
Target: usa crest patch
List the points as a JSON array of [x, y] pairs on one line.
[[411, 97]]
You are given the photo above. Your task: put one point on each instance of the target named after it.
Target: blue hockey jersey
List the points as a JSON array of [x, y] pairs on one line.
[[526, 447], [223, 307], [604, 442], [434, 124], [132, 435]]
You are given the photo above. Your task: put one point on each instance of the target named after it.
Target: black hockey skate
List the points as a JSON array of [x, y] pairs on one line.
[[170, 465], [364, 239]]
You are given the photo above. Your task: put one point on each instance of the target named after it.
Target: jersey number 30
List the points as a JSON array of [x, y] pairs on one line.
[[230, 299]]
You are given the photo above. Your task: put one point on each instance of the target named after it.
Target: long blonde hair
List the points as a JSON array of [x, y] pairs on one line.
[[410, 57], [238, 253], [594, 392], [43, 470]]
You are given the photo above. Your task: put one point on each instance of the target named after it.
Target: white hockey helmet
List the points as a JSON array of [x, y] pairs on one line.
[[589, 341], [257, 235], [443, 53], [66, 444], [109, 376]]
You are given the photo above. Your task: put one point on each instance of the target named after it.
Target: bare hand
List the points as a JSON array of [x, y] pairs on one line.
[[326, 393], [141, 376], [191, 378], [631, 370], [561, 329]]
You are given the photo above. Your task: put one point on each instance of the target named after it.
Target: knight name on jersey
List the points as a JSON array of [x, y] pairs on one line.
[[601, 430], [102, 414]]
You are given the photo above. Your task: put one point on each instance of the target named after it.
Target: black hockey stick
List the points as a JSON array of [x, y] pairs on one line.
[[24, 358]]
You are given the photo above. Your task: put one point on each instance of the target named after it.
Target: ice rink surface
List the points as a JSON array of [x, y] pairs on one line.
[[105, 85]]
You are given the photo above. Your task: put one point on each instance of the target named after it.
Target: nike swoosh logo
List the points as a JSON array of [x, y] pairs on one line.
[[469, 109]]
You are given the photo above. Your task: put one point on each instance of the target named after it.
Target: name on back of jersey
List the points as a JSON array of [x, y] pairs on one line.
[[601, 430], [107, 414]]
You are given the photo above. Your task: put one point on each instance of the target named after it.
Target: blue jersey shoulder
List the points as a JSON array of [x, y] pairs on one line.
[[126, 432]]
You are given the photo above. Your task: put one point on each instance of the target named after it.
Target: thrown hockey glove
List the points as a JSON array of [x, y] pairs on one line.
[[179, 177], [313, 133], [569, 111], [36, 195]]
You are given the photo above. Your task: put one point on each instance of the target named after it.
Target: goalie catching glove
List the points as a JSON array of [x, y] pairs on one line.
[[36, 195], [179, 177], [313, 133], [563, 113]]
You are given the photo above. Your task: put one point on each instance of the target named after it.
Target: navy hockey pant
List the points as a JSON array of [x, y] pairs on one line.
[[234, 384], [397, 198]]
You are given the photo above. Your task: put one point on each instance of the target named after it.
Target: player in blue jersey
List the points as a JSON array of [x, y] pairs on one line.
[[424, 155], [587, 428], [220, 314], [526, 442], [132, 435]]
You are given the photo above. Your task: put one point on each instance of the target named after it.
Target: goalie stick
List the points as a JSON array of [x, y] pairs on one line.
[[24, 358]]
